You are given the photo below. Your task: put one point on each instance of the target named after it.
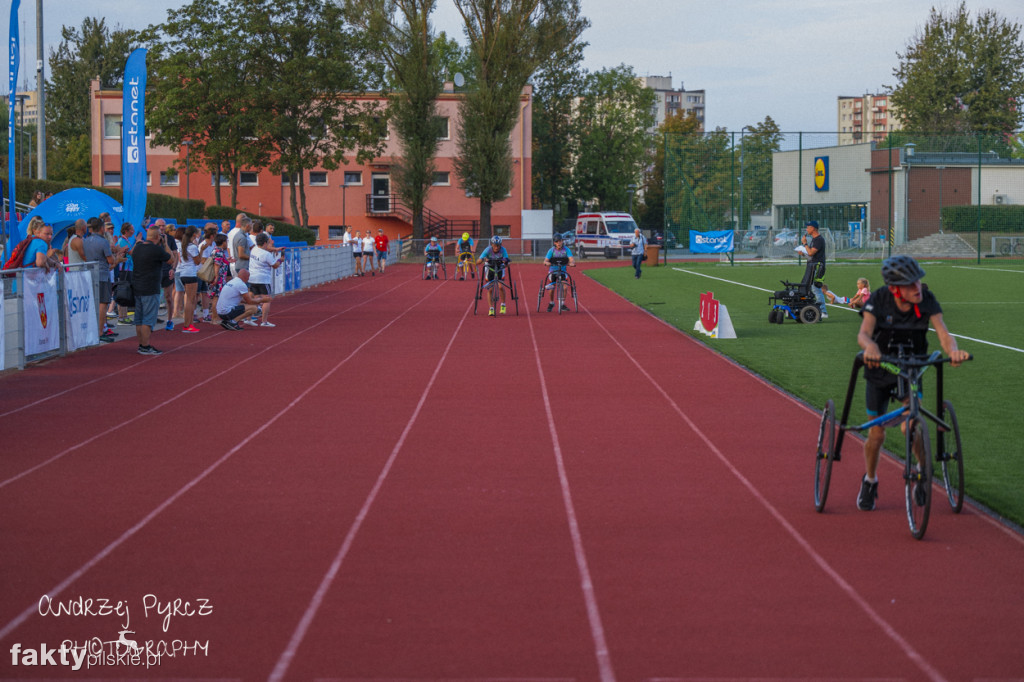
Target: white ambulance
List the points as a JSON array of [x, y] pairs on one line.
[[605, 234]]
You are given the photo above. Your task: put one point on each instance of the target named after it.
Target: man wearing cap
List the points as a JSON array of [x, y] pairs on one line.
[[814, 274], [381, 244]]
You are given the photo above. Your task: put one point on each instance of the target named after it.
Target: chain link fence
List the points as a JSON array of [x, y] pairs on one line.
[[952, 196]]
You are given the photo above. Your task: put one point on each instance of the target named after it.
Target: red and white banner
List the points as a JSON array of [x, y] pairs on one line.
[[42, 326], [714, 319]]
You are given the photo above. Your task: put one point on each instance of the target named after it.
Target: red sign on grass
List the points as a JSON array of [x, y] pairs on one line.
[[708, 311]]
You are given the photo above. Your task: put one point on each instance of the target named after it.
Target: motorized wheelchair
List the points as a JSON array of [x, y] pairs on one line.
[[795, 301]]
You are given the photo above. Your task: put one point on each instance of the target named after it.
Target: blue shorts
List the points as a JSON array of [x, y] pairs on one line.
[[146, 308]]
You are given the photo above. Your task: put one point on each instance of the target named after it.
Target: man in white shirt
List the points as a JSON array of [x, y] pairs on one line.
[[236, 301]]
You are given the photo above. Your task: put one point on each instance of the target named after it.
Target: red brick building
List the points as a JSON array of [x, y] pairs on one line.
[[358, 195]]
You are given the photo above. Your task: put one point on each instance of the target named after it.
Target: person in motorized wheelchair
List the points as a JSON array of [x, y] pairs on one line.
[[804, 301], [557, 259]]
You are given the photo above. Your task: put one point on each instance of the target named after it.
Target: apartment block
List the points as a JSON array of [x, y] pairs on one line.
[[863, 118]]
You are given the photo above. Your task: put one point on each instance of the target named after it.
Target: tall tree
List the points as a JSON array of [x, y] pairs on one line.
[[311, 68], [83, 54], [404, 40], [508, 40], [959, 75], [651, 212], [202, 93], [557, 85], [755, 149], [613, 122]]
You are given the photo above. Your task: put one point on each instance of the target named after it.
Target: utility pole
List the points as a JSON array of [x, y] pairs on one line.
[[40, 96]]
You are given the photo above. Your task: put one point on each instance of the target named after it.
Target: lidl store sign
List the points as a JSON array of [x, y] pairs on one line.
[[821, 174]]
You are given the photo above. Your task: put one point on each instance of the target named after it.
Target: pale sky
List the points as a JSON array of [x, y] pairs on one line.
[[788, 59]]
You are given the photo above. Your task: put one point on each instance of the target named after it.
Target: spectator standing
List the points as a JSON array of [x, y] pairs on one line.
[[74, 247], [187, 272], [262, 264], [124, 270], [148, 259], [357, 252], [97, 249], [381, 244], [368, 249], [639, 243], [206, 249], [223, 260], [166, 275], [238, 244], [39, 253]]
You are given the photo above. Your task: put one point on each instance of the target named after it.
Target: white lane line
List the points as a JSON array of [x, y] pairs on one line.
[[128, 534], [285, 660], [586, 582]]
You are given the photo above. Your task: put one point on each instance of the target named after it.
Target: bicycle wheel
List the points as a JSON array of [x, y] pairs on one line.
[[951, 457], [540, 294], [918, 478], [575, 301], [825, 454]]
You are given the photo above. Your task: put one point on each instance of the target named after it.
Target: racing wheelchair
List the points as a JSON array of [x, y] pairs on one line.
[[431, 265], [563, 284], [494, 274]]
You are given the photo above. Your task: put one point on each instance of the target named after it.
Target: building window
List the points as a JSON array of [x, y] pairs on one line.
[[335, 231], [112, 126], [249, 179], [284, 179], [317, 178], [169, 178], [444, 132], [503, 230], [225, 180], [353, 177], [442, 179], [111, 178]]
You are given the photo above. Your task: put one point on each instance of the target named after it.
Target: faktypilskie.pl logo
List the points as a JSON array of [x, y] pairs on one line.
[[126, 649]]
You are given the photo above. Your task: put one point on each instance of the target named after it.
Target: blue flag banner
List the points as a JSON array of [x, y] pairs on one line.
[[133, 138], [14, 62], [720, 241]]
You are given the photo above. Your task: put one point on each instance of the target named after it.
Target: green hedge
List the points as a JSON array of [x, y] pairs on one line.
[[293, 232], [160, 206], [993, 218]]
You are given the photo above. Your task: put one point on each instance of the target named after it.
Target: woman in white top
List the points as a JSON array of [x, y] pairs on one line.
[[262, 263], [187, 272], [368, 249]]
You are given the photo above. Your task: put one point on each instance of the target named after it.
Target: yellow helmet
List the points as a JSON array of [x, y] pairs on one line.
[[465, 236]]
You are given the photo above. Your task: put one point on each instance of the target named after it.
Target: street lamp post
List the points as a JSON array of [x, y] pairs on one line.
[[631, 188], [344, 186], [21, 122]]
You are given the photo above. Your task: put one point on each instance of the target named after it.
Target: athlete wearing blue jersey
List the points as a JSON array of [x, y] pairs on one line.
[[433, 254], [496, 257], [558, 258]]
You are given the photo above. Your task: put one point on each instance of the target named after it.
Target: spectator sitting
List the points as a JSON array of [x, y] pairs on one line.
[[863, 293]]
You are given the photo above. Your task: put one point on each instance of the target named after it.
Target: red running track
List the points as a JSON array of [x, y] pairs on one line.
[[389, 487]]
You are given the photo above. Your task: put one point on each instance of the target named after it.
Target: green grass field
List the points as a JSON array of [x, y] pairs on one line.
[[983, 305]]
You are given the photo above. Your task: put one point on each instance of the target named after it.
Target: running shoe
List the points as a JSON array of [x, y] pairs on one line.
[[149, 350], [565, 308], [191, 329], [551, 306], [111, 314], [170, 326], [125, 321], [868, 494], [251, 322], [230, 325], [490, 312], [267, 324], [502, 308]]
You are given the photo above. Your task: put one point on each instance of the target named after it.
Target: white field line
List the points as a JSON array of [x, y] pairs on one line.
[[839, 307]]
